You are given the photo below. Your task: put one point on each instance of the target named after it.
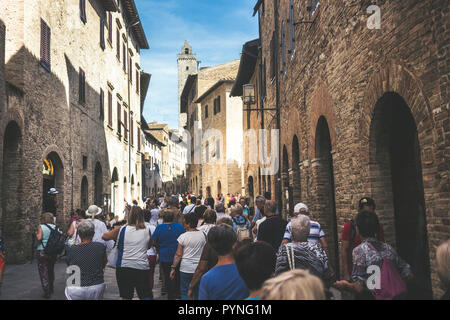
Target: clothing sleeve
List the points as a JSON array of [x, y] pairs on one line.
[[321, 232], [359, 274], [346, 232], [155, 235], [287, 233], [181, 239]]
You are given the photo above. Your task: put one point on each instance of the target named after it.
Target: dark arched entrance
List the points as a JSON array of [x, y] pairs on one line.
[[397, 185], [53, 177], [84, 203], [12, 196], [296, 184], [325, 201], [98, 185]]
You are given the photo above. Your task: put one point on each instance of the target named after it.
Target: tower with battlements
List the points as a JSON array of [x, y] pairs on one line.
[[187, 65]]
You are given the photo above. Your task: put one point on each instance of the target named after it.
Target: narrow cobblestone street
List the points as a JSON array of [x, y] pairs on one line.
[[21, 282]]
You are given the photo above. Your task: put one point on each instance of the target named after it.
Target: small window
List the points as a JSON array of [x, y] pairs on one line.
[[206, 112], [82, 87], [45, 45], [85, 163], [125, 124], [187, 68], [119, 121], [83, 11], [186, 51]]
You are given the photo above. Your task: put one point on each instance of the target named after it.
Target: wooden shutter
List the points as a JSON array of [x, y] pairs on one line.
[[119, 115], [118, 44], [102, 104], [125, 124], [110, 109], [132, 132], [45, 45], [218, 104], [102, 34], [83, 10], [110, 23]]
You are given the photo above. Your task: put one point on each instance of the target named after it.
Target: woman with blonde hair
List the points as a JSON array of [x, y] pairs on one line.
[[293, 285], [443, 267], [133, 241]]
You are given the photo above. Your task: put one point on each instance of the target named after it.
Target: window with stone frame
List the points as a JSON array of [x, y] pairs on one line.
[[125, 125], [45, 46], [102, 33], [82, 87], [85, 163], [118, 44], [206, 112], [119, 120], [83, 11], [110, 28]]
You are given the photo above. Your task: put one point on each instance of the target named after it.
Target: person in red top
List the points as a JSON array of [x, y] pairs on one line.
[[350, 238]]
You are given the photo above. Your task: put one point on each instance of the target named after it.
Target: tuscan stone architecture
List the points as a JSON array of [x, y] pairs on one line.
[[215, 77], [70, 111], [364, 111], [187, 65]]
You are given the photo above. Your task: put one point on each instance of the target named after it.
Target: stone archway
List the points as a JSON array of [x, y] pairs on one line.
[[53, 177], [13, 226], [325, 189], [397, 185], [84, 199]]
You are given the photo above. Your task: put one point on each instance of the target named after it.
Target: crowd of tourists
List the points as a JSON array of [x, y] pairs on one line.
[[223, 249]]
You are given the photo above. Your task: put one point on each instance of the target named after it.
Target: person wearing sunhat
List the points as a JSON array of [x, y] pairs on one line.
[[350, 238], [100, 227]]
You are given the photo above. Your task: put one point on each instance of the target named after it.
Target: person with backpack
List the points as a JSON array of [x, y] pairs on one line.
[[49, 238], [393, 271], [240, 222], [350, 239]]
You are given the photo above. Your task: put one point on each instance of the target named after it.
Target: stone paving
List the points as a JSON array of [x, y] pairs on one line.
[[22, 282]]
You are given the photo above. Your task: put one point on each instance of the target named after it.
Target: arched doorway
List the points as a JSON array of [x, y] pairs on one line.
[[12, 199], [287, 189], [53, 177], [115, 192], [84, 203], [397, 186], [98, 185], [325, 202], [296, 182], [219, 188]]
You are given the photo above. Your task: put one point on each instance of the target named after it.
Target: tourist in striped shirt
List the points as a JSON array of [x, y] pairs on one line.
[[316, 234]]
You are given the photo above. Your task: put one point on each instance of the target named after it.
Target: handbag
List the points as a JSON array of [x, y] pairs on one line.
[[117, 251], [73, 239]]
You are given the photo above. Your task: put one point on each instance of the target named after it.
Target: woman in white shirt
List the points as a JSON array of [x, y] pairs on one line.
[[133, 241], [190, 247]]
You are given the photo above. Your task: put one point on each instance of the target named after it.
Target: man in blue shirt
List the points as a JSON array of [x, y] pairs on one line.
[[223, 282]]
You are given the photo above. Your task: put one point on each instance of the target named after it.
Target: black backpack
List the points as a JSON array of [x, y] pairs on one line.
[[55, 243]]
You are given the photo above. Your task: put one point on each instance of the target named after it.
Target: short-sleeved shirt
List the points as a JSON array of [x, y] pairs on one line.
[[135, 248], [188, 209], [223, 283], [315, 234], [272, 231], [346, 235], [166, 236], [90, 258], [193, 243], [45, 235], [155, 216]]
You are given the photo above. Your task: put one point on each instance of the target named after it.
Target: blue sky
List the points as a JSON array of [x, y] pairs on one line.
[[216, 30]]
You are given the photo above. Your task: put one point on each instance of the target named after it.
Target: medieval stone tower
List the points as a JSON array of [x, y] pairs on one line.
[[187, 65]]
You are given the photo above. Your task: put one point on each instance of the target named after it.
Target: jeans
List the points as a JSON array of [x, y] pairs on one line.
[[171, 285], [185, 281]]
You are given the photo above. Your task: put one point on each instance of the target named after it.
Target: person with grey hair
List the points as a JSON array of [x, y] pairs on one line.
[[90, 259], [260, 201], [220, 212], [301, 254]]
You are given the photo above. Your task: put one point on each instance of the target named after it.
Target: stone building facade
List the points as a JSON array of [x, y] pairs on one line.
[[364, 111], [152, 182], [222, 140], [61, 71], [197, 85]]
